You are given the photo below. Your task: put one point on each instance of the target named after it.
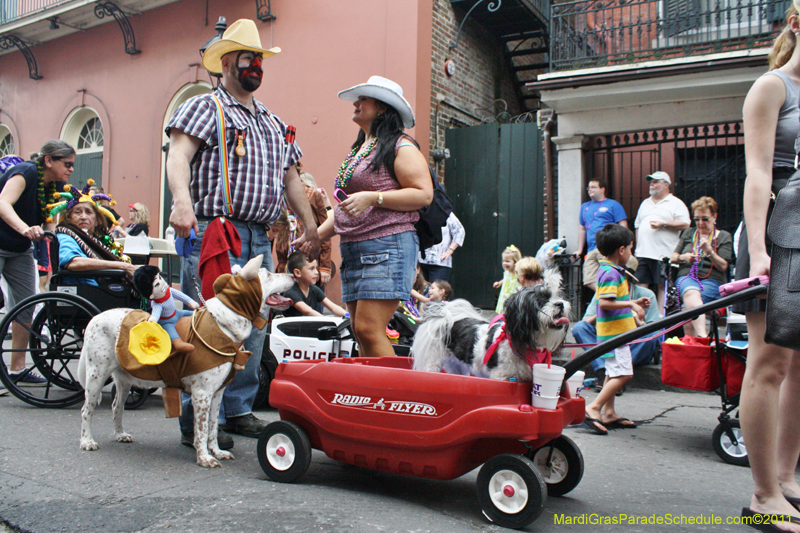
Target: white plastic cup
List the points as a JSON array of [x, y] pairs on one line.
[[547, 381], [545, 402], [575, 384]]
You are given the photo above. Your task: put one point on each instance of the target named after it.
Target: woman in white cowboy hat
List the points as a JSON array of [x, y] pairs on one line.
[[385, 179]]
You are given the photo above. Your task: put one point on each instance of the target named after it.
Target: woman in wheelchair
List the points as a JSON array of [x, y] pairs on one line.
[[25, 190], [84, 243], [704, 253]]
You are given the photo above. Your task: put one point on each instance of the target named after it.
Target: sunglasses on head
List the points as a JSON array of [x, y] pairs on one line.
[[703, 219]]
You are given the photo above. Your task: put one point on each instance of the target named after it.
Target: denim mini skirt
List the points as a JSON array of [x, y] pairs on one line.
[[379, 269]]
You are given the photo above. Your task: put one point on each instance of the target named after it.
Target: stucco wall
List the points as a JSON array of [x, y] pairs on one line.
[[327, 46]]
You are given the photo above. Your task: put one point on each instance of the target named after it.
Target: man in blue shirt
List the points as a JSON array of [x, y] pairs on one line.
[[595, 214]]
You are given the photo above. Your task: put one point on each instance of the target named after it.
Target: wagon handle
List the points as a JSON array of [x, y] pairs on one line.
[[610, 345]]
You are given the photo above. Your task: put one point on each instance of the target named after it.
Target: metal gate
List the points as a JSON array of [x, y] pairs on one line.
[[705, 160], [495, 177]]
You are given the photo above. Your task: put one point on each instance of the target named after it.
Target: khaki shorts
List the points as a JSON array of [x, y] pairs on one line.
[[592, 261], [620, 364]]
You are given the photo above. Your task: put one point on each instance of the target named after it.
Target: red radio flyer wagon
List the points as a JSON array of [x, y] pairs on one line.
[[380, 414]]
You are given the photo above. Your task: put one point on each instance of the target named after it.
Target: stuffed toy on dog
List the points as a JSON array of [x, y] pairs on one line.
[[148, 281]]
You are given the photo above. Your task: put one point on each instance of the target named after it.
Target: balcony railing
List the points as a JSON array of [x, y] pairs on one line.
[[596, 33], [11, 10]]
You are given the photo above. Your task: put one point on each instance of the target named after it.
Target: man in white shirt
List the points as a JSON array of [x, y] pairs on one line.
[[659, 222]]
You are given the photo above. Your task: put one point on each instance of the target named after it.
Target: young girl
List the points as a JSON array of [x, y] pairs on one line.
[[440, 291], [508, 285], [529, 271]]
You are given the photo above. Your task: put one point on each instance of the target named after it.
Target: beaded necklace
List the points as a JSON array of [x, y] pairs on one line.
[[44, 194], [699, 254], [349, 165]]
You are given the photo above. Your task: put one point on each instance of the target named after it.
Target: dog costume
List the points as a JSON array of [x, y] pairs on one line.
[[212, 347]]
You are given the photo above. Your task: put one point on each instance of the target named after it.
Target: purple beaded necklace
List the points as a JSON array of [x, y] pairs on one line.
[[699, 254]]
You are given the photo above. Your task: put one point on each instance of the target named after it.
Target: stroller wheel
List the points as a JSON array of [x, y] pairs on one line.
[[732, 451]]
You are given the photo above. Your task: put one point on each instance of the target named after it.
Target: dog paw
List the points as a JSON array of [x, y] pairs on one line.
[[89, 445], [123, 437], [206, 461], [221, 455]]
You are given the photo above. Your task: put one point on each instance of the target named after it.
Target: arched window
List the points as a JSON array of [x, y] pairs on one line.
[[91, 135], [83, 129], [6, 141]]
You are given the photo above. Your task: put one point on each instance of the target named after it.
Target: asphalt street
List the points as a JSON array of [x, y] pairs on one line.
[[664, 468]]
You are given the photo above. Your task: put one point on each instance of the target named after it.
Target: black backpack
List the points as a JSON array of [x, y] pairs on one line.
[[433, 217]]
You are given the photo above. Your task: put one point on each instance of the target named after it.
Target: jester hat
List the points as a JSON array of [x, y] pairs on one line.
[[72, 195]]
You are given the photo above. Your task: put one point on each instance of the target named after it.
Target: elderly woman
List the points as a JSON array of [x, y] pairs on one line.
[[84, 243], [704, 253], [386, 179], [25, 190]]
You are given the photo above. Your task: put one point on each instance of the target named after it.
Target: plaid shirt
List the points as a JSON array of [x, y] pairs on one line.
[[256, 179]]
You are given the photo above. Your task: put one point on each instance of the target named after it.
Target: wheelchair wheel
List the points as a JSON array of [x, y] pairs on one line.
[[136, 397], [55, 343]]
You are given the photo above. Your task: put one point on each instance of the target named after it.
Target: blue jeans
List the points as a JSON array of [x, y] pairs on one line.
[[433, 272], [237, 400], [641, 353], [379, 269]]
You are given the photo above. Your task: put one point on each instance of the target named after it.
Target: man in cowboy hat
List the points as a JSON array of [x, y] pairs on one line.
[[244, 182]]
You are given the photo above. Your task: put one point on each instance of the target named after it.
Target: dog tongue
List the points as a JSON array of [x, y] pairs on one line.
[[563, 321], [278, 300]]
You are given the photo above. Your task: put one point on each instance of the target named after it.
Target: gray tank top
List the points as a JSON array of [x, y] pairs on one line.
[[788, 123]]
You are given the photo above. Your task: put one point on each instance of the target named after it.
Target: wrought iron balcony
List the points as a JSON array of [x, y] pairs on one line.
[[11, 10], [597, 33]]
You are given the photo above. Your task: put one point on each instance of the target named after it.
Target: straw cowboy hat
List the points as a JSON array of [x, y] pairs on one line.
[[387, 92], [242, 35]]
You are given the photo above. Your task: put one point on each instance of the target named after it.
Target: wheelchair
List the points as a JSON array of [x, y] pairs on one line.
[[59, 320]]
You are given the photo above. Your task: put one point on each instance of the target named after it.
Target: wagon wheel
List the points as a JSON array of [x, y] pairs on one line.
[[284, 451], [730, 451], [511, 491], [136, 397], [56, 339], [564, 470]]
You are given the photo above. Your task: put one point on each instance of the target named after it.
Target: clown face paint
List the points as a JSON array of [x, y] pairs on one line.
[[248, 70]]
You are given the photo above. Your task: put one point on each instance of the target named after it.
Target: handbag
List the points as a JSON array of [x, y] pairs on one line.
[[783, 296]]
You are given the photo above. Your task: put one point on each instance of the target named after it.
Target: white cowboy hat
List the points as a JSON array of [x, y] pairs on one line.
[[387, 92], [242, 35]]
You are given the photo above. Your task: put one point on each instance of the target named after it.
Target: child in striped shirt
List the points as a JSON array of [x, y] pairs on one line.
[[615, 316]]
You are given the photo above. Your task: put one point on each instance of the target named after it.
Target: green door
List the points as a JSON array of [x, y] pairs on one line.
[[495, 177], [87, 166]]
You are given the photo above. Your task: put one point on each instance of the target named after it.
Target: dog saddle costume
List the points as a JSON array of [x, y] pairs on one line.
[[212, 347]]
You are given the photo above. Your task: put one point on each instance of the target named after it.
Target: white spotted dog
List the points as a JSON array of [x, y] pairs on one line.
[[456, 338], [99, 361]]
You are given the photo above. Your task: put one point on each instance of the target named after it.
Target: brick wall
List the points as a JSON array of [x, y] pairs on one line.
[[466, 98]]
